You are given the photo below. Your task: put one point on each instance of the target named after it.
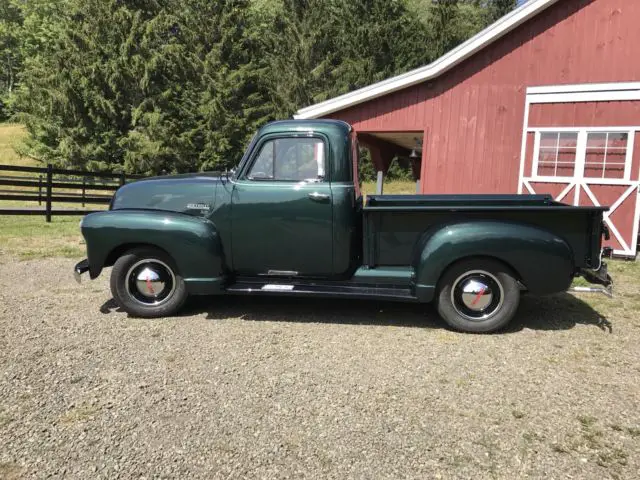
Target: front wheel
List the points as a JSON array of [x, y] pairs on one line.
[[478, 296], [146, 283]]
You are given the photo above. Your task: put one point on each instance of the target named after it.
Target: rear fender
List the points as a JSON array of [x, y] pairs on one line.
[[192, 242], [542, 261]]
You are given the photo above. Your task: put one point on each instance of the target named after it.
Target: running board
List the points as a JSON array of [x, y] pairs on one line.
[[344, 290]]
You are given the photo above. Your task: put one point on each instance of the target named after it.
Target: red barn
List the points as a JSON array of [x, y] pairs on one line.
[[546, 100]]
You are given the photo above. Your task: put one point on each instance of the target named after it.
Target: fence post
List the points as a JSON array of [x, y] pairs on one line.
[[84, 181], [49, 189], [123, 179], [39, 189]]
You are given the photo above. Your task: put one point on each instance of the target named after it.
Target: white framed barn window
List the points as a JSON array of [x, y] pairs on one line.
[[590, 153], [557, 154], [606, 155]]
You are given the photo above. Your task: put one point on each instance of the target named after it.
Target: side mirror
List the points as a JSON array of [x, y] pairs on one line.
[[229, 173]]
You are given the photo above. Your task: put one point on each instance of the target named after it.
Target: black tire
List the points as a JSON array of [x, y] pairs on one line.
[[164, 300], [478, 296]]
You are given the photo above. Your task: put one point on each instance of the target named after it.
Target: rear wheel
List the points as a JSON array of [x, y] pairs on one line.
[[478, 295], [146, 283]]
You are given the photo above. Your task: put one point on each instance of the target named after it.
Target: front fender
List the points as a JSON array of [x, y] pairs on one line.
[[192, 242], [543, 262]]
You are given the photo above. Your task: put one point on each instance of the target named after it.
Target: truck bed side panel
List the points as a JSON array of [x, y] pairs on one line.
[[394, 233]]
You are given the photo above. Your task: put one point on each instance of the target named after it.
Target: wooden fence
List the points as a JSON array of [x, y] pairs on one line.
[[48, 185]]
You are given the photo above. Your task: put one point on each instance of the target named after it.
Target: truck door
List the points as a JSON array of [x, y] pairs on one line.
[[281, 213]]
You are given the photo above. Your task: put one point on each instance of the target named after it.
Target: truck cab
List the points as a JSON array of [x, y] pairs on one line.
[[291, 220], [297, 190]]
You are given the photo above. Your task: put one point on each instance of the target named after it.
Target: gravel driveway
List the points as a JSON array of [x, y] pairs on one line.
[[270, 388]]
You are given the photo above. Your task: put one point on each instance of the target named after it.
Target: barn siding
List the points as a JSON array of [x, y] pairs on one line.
[[475, 111], [585, 114], [528, 159], [635, 164]]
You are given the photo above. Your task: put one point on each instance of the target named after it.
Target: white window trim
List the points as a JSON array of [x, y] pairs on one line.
[[578, 97], [589, 92], [584, 87], [586, 129], [631, 146], [536, 150], [581, 151]]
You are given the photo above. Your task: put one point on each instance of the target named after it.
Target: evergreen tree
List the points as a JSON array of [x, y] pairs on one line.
[[142, 85], [377, 39], [472, 16], [299, 41], [10, 53], [234, 99], [498, 8], [179, 85], [444, 25], [322, 48]]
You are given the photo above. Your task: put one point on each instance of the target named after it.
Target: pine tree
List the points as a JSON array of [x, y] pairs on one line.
[[10, 53], [378, 39], [444, 25], [318, 49], [143, 85], [233, 101], [180, 85], [299, 43], [498, 8]]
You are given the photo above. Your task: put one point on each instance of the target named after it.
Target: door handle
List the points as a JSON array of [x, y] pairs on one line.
[[319, 197]]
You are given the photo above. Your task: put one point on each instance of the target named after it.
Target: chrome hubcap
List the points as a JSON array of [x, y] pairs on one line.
[[477, 295], [150, 282]]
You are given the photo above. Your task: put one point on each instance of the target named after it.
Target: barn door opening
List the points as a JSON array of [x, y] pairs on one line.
[[395, 161]]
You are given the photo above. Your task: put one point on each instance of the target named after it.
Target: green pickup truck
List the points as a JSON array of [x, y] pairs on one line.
[[290, 220]]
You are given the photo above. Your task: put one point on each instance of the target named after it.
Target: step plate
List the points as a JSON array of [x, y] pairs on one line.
[[275, 287]]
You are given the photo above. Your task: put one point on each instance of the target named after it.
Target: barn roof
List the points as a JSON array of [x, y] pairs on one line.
[[446, 62]]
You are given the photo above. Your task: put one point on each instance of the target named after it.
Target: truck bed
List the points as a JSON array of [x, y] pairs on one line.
[[394, 223]]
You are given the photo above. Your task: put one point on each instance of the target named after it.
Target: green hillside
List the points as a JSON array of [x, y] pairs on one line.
[[10, 135]]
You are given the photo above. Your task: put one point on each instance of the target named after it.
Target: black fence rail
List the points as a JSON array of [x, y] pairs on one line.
[[48, 185]]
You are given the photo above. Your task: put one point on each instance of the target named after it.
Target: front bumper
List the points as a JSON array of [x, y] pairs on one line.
[[80, 268]]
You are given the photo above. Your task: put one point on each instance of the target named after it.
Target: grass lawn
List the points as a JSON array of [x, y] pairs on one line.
[[28, 237], [10, 135], [393, 187]]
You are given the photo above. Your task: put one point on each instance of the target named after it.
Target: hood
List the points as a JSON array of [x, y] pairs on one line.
[[193, 194]]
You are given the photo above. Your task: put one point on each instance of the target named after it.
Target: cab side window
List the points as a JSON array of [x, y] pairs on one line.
[[290, 160]]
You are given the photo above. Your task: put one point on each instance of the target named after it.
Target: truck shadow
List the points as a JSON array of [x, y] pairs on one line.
[[557, 312]]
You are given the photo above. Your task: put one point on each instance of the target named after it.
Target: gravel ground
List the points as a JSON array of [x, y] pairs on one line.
[[272, 388]]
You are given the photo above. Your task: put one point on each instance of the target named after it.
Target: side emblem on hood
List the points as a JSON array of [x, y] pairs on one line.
[[198, 206]]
